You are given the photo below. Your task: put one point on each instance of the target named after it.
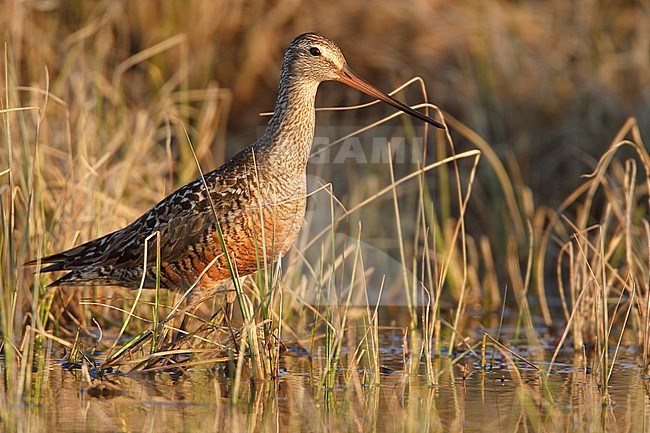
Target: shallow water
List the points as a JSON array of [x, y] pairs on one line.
[[504, 398]]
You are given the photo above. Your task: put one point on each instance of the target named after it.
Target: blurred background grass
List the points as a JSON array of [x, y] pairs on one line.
[[546, 83]]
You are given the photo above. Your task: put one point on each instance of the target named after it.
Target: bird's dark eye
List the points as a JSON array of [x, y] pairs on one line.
[[314, 51]]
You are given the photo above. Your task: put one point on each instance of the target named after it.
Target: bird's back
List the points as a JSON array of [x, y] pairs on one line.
[[259, 211]]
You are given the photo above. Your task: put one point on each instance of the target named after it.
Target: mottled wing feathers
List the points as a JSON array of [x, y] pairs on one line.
[[184, 219]]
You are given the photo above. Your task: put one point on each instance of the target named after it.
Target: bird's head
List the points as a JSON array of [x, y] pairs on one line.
[[314, 58]]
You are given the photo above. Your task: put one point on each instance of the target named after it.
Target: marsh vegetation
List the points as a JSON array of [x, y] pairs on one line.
[[494, 276]]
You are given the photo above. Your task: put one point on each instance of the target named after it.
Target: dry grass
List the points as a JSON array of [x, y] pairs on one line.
[[96, 102]]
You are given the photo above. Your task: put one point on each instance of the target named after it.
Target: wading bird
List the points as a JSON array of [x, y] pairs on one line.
[[255, 202]]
